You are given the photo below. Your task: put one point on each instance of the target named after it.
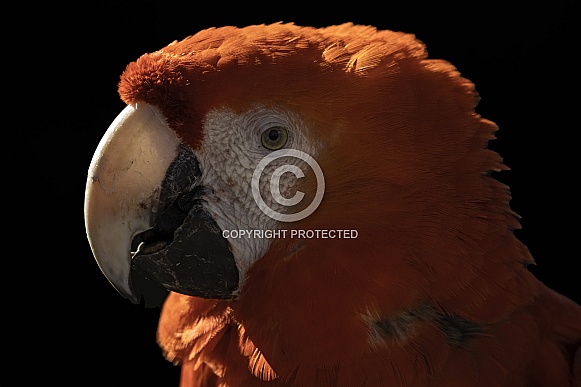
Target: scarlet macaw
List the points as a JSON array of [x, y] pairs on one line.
[[406, 272]]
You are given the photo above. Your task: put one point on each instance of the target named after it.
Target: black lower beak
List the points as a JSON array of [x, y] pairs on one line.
[[185, 251]]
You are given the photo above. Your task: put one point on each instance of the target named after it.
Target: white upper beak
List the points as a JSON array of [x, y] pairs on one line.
[[123, 186]]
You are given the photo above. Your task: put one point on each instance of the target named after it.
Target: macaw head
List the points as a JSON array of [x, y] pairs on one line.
[[205, 182]]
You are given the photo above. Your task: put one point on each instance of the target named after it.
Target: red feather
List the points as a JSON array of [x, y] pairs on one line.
[[434, 291]]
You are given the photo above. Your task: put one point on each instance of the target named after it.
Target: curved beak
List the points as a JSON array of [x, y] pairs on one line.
[[123, 188], [145, 217]]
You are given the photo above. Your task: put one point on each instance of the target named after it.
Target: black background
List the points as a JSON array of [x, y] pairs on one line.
[[64, 65]]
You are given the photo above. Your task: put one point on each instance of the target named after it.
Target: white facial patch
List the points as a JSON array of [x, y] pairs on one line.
[[231, 150]]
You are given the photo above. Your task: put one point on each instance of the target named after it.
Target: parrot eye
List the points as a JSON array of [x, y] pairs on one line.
[[274, 137]]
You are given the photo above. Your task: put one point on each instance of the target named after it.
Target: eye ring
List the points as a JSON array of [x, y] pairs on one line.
[[274, 137]]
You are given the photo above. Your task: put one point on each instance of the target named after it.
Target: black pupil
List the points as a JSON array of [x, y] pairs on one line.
[[273, 134]]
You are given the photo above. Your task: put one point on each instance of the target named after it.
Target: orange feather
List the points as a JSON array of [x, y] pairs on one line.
[[434, 291]]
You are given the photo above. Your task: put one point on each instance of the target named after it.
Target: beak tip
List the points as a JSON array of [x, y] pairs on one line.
[[120, 282]]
